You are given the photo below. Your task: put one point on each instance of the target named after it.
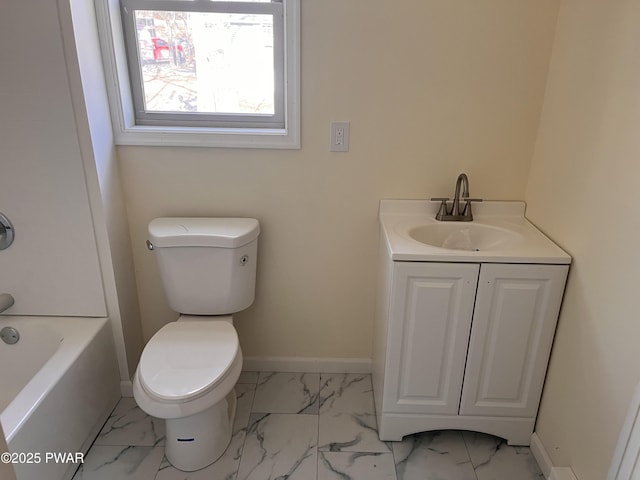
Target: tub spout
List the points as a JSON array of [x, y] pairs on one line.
[[6, 300]]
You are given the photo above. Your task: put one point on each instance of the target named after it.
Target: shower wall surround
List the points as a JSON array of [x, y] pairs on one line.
[[59, 183], [53, 262]]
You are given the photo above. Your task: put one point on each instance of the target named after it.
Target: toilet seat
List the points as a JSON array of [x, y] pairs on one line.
[[187, 359]]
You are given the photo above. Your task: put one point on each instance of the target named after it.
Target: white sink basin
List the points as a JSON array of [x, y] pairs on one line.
[[499, 233], [463, 236]]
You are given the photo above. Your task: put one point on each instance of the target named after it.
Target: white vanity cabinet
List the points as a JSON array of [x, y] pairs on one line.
[[429, 324], [463, 345], [514, 323]]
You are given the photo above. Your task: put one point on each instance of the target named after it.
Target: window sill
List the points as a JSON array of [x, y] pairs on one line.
[[208, 137]]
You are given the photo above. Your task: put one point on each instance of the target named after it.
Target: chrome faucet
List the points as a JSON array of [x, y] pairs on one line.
[[454, 215], [461, 181]]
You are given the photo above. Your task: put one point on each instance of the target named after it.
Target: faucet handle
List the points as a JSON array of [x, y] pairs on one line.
[[467, 207], [442, 212]]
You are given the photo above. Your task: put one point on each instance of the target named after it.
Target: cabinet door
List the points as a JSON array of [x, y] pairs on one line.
[[430, 319], [513, 327]]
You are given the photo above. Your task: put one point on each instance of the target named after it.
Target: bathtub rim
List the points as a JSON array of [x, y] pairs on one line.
[[77, 334]]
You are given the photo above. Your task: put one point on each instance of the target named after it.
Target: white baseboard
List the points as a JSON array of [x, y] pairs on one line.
[[289, 364], [307, 365], [546, 465], [562, 473], [126, 388], [541, 455]]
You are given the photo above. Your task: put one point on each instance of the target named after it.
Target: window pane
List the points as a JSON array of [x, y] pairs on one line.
[[201, 62]]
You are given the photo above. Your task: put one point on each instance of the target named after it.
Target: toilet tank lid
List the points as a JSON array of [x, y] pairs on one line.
[[202, 232]]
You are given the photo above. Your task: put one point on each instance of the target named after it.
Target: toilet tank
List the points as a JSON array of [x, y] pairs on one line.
[[207, 265]]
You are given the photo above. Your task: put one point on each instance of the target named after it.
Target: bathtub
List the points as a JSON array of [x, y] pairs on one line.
[[58, 384]]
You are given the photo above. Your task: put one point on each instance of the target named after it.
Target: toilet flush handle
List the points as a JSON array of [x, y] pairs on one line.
[[149, 245]]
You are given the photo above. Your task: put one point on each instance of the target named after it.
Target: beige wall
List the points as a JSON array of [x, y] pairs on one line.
[[583, 191], [431, 87]]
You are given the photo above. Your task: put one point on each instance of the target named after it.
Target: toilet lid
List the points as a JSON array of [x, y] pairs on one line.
[[186, 359]]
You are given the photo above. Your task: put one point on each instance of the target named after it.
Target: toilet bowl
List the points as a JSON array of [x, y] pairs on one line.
[[186, 376], [188, 369]]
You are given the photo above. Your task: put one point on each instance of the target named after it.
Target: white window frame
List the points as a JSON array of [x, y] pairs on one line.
[[126, 132]]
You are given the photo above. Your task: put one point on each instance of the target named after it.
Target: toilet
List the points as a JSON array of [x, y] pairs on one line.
[[188, 370]]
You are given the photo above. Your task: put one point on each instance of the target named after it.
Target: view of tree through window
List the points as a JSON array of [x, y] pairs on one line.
[[204, 62]]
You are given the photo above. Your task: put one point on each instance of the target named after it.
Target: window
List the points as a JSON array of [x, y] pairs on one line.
[[202, 73]]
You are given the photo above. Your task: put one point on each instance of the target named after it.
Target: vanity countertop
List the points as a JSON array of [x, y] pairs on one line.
[[499, 233]]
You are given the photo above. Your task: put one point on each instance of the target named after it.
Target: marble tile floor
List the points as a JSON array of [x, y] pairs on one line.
[[299, 426]]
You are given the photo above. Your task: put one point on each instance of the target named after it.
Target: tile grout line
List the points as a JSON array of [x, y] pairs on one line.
[[246, 428], [391, 449], [318, 430], [466, 447]]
